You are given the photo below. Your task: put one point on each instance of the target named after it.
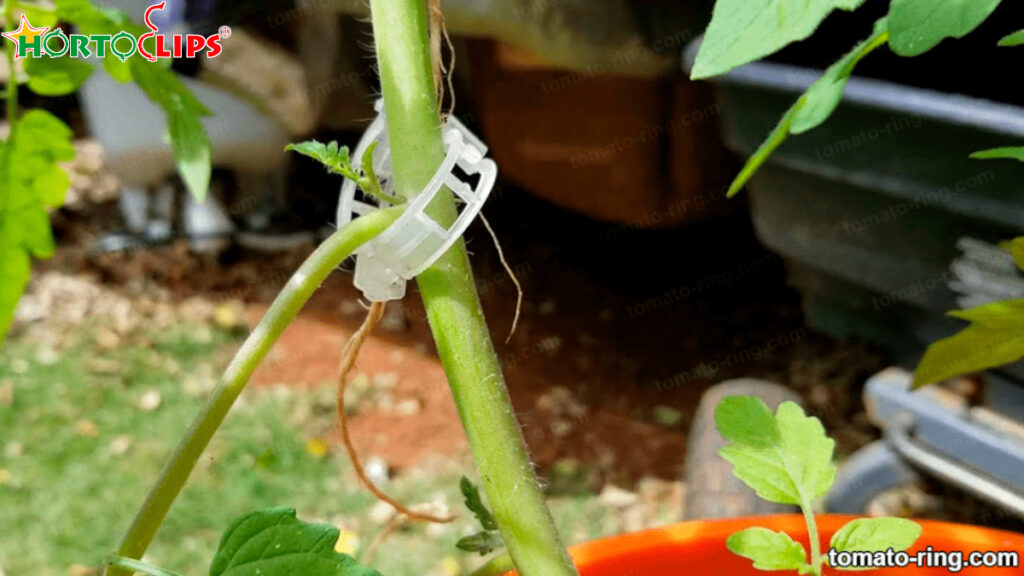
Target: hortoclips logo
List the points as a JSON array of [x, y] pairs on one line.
[[54, 43]]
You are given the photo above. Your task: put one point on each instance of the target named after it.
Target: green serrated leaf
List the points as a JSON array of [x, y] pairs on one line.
[[1015, 39], [876, 535], [274, 542], [790, 463], [482, 543], [824, 95], [1006, 152], [996, 338], [56, 76], [334, 158], [917, 26], [475, 504], [769, 550], [742, 31]]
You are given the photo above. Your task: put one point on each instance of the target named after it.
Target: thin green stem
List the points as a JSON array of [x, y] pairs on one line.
[[451, 301], [288, 303], [138, 566], [813, 537]]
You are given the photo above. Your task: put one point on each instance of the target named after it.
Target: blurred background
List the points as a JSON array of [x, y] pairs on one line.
[[643, 285]]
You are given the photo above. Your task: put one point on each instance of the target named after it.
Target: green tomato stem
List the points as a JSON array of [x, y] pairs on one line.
[[138, 566], [293, 296], [451, 301], [812, 536]]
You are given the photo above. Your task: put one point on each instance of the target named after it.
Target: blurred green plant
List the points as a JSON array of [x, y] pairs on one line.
[[743, 31], [995, 337], [32, 181]]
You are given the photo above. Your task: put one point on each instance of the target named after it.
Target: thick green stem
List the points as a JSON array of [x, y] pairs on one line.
[[452, 305], [288, 303]]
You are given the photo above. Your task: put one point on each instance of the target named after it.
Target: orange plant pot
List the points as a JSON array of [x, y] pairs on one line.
[[698, 547]]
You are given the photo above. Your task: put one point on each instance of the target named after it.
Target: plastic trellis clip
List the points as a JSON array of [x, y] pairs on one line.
[[415, 241]]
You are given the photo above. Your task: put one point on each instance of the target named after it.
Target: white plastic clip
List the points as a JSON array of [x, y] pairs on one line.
[[415, 241]]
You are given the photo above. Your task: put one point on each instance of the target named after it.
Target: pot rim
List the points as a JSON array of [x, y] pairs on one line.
[[704, 531]]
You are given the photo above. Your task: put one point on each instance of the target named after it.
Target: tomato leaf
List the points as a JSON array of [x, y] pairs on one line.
[[1015, 39], [742, 31], [769, 550], [482, 543], [184, 112], [274, 542], [876, 535], [824, 95], [56, 76], [812, 108], [993, 339], [476, 505], [789, 462], [335, 158], [31, 180], [1006, 152], [917, 26]]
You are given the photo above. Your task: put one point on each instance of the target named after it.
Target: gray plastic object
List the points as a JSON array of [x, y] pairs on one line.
[[873, 209]]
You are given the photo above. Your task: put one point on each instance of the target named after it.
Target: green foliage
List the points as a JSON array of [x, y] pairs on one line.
[[56, 76], [31, 178], [789, 461], [337, 161], [488, 539], [787, 458], [1006, 152], [476, 505], [184, 112], [813, 107], [993, 338], [335, 158], [769, 550], [31, 173], [274, 542], [876, 535], [824, 95], [1015, 39], [919, 25], [742, 31], [482, 543]]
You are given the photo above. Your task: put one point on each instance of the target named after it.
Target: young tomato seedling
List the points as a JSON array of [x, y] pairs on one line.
[[787, 459]]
